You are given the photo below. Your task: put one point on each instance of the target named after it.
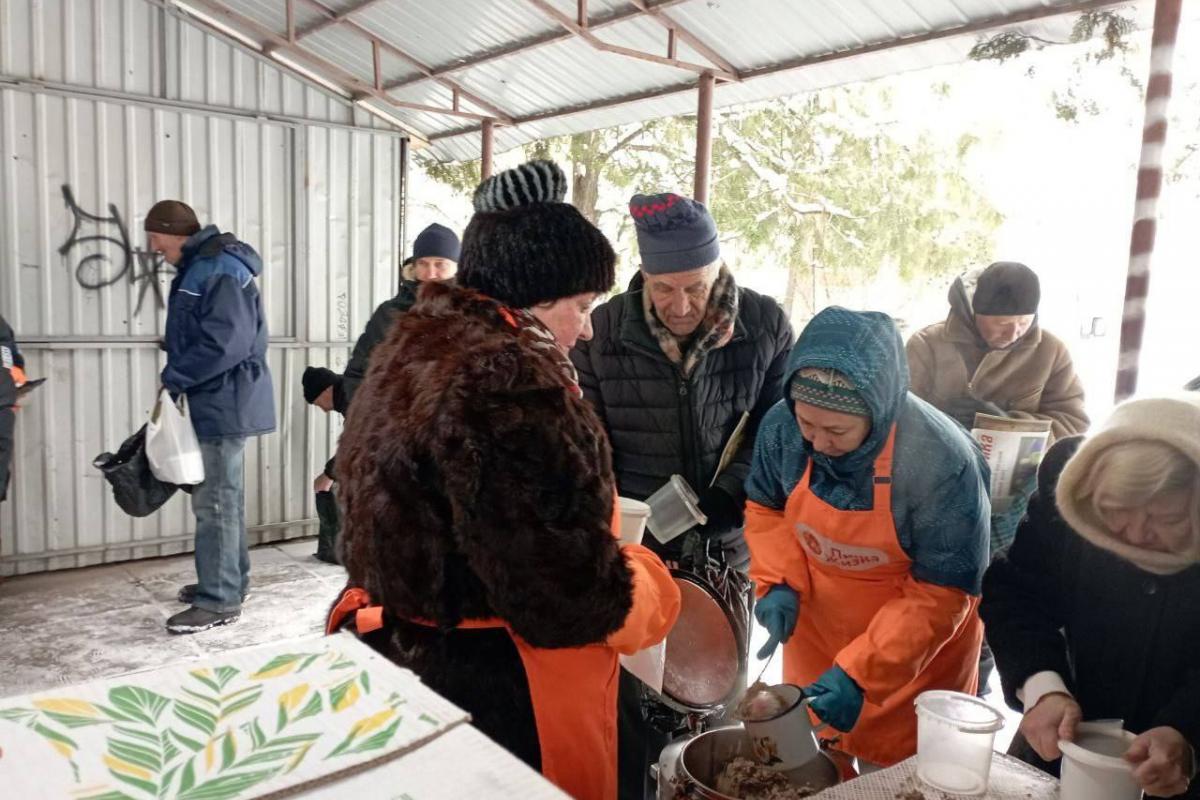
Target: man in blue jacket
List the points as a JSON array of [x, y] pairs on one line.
[[216, 343], [12, 376]]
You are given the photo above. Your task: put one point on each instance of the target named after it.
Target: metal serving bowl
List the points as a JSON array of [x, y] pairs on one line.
[[689, 768]]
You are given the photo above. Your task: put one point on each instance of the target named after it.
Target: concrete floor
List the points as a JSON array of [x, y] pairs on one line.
[[62, 628]]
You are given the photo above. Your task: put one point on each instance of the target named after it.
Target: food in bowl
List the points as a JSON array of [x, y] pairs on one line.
[[744, 779], [760, 702]]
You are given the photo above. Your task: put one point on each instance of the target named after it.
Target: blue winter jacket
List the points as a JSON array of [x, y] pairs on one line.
[[217, 338], [939, 477]]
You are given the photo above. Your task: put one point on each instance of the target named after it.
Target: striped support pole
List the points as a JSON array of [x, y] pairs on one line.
[[1149, 186]]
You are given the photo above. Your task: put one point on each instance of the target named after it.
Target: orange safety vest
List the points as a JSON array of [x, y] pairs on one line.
[[573, 689], [861, 608]]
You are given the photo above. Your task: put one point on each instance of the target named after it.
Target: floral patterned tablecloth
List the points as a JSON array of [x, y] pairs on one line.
[[268, 721]]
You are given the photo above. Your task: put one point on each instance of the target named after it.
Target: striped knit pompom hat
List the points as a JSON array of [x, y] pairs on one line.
[[525, 246]]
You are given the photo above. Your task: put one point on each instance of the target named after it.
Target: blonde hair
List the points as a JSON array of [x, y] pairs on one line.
[[1147, 447], [408, 271], [1131, 474]]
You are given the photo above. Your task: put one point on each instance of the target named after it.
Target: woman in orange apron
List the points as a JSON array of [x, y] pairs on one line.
[[478, 495], [867, 523]]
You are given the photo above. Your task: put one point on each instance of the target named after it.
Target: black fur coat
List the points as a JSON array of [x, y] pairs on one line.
[[475, 483]]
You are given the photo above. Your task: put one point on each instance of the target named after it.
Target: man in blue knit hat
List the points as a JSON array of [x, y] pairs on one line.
[[435, 255], [682, 367], [434, 258]]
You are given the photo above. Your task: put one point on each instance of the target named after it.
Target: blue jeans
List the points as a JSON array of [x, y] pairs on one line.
[[222, 559]]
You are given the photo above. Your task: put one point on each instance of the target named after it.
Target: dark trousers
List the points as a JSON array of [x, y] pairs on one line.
[[7, 423], [639, 742], [987, 665]]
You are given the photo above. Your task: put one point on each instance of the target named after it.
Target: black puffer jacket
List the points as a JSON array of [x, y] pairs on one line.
[[1125, 641], [661, 423], [378, 326], [381, 322]]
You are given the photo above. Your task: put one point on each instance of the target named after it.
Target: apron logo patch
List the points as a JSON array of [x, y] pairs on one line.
[[838, 554]]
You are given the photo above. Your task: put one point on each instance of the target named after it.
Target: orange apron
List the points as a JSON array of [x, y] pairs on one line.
[[566, 686], [573, 689], [860, 608]]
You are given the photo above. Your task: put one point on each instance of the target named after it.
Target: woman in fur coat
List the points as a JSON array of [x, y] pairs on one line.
[[478, 494]]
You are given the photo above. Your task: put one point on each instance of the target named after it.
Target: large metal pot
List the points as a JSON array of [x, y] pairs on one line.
[[688, 768]]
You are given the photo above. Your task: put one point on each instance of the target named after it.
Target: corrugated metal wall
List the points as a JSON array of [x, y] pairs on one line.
[[123, 103]]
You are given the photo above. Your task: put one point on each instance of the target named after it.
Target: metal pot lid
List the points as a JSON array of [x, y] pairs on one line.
[[703, 659]]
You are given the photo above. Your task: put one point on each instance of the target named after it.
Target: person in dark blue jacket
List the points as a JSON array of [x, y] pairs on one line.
[[216, 344], [12, 375]]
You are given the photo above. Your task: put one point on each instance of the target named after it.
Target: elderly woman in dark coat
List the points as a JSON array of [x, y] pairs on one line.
[[479, 499], [1094, 612]]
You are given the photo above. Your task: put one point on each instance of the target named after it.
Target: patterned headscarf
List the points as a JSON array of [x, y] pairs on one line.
[[534, 333], [829, 389]]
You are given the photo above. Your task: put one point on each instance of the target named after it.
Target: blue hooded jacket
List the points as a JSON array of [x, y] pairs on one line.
[[939, 477], [216, 338]]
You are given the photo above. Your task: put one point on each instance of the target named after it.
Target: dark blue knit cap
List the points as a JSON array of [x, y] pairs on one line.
[[436, 241], [674, 233]]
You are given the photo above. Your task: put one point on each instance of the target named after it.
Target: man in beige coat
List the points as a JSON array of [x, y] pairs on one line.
[[991, 355]]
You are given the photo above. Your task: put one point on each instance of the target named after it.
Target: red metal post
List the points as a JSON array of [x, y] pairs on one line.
[[704, 136], [485, 167], [1149, 186]]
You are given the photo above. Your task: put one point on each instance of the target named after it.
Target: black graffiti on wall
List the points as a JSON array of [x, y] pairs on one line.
[[96, 269]]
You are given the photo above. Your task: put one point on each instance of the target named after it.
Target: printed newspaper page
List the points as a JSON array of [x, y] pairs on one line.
[[1013, 449]]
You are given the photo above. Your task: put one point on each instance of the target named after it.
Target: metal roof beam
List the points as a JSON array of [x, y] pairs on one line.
[[676, 30], [271, 41], [531, 43], [599, 44], [932, 36], [771, 69], [335, 19]]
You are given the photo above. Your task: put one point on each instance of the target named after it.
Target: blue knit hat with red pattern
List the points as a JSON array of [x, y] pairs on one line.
[[674, 233]]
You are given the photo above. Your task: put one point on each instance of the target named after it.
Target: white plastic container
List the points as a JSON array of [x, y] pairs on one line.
[[674, 510], [955, 732], [1092, 767], [634, 514]]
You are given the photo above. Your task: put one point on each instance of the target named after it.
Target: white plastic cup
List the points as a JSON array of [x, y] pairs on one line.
[[634, 514], [674, 510], [788, 739], [1092, 767], [955, 733]]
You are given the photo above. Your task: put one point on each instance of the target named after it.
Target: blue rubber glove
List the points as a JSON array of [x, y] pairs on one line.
[[777, 611], [836, 698]]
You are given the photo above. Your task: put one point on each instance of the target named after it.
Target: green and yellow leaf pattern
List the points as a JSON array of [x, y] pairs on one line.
[[208, 738]]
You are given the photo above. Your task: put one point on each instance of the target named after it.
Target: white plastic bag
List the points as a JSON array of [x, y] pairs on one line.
[[171, 444]]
